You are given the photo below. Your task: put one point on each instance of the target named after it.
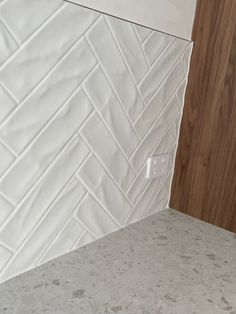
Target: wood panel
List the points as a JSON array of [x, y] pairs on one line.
[[204, 184]]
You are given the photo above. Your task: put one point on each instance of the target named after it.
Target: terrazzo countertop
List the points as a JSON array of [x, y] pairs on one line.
[[167, 263]]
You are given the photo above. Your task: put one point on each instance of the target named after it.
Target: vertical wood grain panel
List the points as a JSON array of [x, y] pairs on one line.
[[204, 184]]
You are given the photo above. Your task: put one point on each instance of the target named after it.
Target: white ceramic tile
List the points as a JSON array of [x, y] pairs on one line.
[[142, 32], [84, 101], [99, 37], [140, 209], [30, 15], [85, 239], [171, 84], [35, 205], [94, 218], [158, 202], [129, 44], [169, 16], [106, 103], [104, 189], [6, 209], [152, 50], [29, 118], [161, 67], [45, 50], [167, 183], [148, 189], [155, 134], [7, 43], [186, 59], [7, 104], [32, 249], [5, 255], [43, 152], [176, 125], [181, 93], [140, 182], [6, 158], [65, 241], [105, 147]]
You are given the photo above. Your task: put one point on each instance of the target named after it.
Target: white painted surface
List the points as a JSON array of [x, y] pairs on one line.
[[174, 17], [157, 166], [85, 99]]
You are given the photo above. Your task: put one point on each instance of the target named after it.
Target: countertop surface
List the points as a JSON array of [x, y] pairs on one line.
[[167, 263]]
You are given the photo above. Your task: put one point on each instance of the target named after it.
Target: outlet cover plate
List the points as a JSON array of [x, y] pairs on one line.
[[157, 166]]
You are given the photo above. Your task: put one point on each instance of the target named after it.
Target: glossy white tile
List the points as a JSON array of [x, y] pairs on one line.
[[85, 99]]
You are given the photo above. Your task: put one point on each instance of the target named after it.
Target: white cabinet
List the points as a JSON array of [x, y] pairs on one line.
[[174, 17]]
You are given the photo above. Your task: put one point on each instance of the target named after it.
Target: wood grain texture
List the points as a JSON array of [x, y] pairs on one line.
[[204, 184]]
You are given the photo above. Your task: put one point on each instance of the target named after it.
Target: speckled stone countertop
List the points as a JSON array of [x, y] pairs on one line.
[[167, 263]]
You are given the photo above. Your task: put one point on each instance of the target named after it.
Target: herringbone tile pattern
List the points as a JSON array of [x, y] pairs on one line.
[[85, 99]]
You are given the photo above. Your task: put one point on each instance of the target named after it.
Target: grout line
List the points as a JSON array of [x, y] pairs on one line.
[[152, 126], [79, 238], [175, 65], [147, 38], [59, 61], [149, 34], [112, 87], [109, 130], [41, 177], [105, 168], [60, 8], [152, 200], [5, 197], [156, 61], [168, 99], [41, 26], [9, 93], [150, 203], [157, 118], [42, 81], [148, 183], [53, 117], [7, 247], [8, 148], [10, 31], [93, 195], [163, 48], [50, 245], [95, 236], [151, 154], [55, 199], [145, 162], [163, 207], [141, 45], [158, 191], [83, 233], [124, 59], [50, 70], [27, 238]]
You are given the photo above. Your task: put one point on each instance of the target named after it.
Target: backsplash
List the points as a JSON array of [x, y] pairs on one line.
[[85, 99]]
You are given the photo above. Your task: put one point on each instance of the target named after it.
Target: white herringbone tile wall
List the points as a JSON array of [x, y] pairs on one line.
[[85, 99]]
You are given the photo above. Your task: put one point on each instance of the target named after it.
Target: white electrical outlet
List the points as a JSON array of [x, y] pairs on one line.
[[157, 166]]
